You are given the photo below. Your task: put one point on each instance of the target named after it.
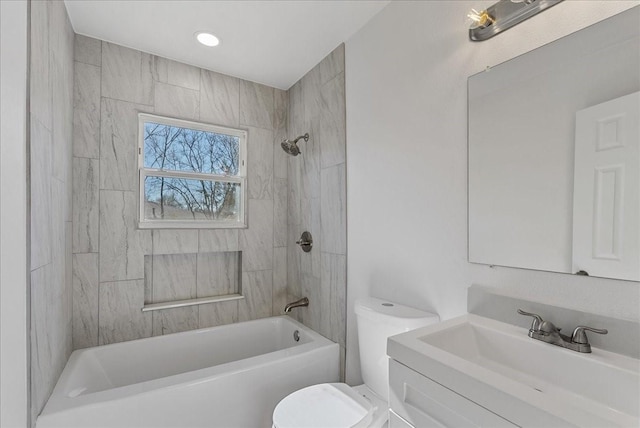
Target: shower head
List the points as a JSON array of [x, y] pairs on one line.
[[291, 147]]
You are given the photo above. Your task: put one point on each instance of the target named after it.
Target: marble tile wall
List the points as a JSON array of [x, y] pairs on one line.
[[111, 275], [317, 199], [286, 195], [51, 133]]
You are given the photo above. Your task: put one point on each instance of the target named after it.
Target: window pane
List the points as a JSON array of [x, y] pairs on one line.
[[184, 199], [174, 148]]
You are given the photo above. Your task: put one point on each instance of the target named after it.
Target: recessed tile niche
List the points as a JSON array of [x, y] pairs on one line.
[[174, 277], [170, 277]]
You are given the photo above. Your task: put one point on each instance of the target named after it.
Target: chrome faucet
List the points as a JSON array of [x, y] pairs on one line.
[[547, 332], [298, 303]]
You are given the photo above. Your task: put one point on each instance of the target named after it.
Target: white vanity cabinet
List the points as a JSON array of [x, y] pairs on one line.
[[473, 371], [417, 401]]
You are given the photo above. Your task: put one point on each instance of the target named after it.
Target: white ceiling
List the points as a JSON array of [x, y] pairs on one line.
[[271, 42]]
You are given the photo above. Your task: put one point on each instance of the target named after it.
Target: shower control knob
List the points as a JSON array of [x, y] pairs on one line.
[[305, 242]]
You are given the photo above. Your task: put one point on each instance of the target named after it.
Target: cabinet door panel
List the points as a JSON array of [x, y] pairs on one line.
[[425, 403]]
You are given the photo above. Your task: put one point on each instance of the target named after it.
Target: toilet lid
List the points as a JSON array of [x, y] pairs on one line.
[[327, 405]]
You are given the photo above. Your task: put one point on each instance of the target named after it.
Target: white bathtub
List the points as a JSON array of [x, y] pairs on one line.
[[227, 376]]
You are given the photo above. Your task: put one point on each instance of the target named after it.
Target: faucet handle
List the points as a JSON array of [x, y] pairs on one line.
[[537, 320], [580, 336]]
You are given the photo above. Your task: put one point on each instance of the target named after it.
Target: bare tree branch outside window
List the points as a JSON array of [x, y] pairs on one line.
[[172, 148]]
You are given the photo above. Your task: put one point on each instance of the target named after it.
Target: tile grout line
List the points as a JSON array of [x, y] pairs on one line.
[[99, 286]]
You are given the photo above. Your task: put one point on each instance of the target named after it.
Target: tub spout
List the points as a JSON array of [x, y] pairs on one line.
[[298, 303]]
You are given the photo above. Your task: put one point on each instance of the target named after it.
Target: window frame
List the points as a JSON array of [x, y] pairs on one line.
[[240, 178]]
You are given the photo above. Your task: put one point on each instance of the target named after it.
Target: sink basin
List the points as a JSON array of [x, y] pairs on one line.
[[500, 368]]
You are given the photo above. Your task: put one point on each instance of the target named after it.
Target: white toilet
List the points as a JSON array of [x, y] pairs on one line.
[[334, 405]]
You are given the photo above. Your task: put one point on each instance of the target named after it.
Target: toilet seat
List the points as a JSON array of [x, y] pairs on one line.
[[327, 405]]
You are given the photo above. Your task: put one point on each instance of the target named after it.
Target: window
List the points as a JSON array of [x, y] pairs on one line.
[[192, 175]]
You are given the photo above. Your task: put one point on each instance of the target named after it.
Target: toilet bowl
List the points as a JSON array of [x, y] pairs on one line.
[[338, 405]]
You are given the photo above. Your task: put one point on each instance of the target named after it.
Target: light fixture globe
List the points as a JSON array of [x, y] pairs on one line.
[[207, 39]]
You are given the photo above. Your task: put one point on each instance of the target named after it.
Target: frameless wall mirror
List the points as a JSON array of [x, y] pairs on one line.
[[554, 181]]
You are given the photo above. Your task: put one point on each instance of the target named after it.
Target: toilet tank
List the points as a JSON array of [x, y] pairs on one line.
[[377, 320]]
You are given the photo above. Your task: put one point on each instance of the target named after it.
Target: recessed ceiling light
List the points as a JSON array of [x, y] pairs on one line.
[[207, 39]]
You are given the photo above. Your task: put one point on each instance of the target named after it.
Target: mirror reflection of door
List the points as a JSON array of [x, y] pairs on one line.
[[606, 207]]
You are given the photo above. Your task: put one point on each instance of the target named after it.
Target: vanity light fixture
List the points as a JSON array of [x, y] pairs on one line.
[[480, 19], [207, 39], [503, 15]]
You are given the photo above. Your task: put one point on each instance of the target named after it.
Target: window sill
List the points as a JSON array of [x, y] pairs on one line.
[[168, 224]]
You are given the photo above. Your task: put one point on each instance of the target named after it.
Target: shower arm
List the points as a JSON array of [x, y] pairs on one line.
[[305, 136]]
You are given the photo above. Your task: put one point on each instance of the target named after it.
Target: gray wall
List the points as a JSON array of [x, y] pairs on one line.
[[317, 198], [113, 84], [51, 89]]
